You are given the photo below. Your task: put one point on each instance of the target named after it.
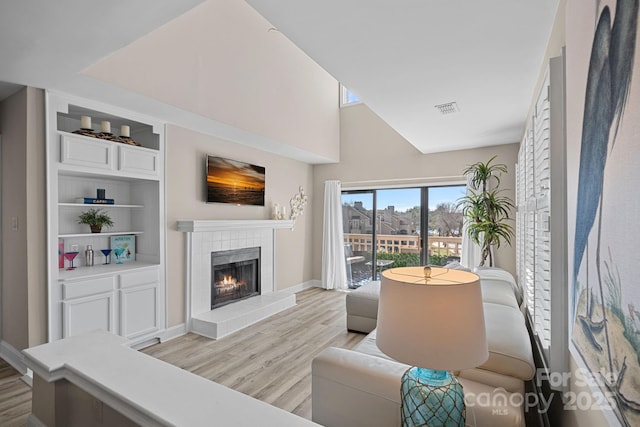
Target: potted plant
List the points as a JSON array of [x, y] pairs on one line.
[[485, 209], [96, 219]]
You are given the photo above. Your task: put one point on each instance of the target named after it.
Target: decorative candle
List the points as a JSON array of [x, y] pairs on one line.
[[106, 126], [275, 214], [124, 131], [85, 122]]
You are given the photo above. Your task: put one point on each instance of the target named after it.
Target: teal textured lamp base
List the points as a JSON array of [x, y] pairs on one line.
[[431, 398]]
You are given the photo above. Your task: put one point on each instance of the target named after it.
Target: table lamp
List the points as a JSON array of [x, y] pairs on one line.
[[432, 318]]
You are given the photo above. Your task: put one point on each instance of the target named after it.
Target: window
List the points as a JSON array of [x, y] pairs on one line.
[[347, 97], [412, 213]]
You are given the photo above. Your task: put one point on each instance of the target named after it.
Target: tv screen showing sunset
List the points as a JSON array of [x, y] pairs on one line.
[[231, 181]]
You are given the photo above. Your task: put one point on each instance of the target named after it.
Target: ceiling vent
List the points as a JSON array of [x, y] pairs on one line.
[[448, 108]]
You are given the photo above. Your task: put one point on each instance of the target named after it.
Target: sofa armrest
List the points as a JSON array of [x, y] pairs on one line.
[[355, 389]]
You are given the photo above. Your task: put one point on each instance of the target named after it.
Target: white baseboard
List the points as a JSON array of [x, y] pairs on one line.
[[28, 378], [13, 357], [160, 337], [173, 332], [301, 287]]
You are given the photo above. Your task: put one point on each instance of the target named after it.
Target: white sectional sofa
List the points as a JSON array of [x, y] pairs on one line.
[[361, 387]]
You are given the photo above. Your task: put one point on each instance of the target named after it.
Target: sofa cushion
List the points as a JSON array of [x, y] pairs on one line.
[[362, 307], [498, 292], [508, 340], [488, 406], [498, 274], [370, 291], [368, 346]]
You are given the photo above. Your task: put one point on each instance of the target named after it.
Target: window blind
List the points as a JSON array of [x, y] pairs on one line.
[[541, 220]]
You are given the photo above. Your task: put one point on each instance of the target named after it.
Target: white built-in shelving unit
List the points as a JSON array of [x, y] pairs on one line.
[[127, 299]]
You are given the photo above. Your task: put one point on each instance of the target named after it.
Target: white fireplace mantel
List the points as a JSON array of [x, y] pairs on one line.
[[199, 226], [206, 236]]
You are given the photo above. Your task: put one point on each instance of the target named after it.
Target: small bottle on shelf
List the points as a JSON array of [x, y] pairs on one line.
[[89, 256]]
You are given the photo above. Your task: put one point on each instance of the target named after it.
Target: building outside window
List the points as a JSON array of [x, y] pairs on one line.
[[427, 218]]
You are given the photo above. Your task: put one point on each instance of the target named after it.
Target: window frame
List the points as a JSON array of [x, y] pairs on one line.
[[344, 96], [424, 215]]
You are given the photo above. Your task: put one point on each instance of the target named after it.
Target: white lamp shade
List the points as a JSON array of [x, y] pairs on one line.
[[436, 325]]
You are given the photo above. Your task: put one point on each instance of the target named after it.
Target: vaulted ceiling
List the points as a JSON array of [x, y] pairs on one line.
[[401, 57], [405, 57]]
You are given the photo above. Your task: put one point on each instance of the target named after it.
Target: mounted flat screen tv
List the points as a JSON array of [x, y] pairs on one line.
[[231, 181]]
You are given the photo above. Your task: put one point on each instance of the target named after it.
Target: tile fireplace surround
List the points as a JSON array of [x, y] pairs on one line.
[[203, 238]]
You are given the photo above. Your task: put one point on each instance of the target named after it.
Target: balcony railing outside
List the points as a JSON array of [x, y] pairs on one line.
[[440, 250], [397, 243]]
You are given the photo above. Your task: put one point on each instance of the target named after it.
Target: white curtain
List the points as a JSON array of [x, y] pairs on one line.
[[334, 272], [471, 252]]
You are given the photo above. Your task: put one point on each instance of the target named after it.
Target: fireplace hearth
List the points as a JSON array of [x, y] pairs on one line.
[[235, 275]]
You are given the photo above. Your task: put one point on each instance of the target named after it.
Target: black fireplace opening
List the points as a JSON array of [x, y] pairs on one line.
[[235, 275]]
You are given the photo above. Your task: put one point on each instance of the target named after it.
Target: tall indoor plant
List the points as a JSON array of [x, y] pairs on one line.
[[485, 209]]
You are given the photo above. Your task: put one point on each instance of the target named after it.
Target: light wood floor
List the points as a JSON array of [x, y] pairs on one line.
[[270, 360], [15, 397]]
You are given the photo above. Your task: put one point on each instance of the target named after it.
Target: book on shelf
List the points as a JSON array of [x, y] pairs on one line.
[[60, 253], [94, 201], [124, 248]]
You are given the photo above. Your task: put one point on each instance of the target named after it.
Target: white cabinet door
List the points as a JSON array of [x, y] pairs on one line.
[[91, 155], [138, 161], [88, 305], [87, 314], [139, 310], [139, 302]]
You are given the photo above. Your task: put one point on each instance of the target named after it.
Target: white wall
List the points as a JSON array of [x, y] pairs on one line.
[[373, 154], [222, 61], [186, 151], [24, 290]]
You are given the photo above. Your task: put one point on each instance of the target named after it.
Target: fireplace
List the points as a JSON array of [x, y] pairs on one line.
[[235, 275], [203, 237]]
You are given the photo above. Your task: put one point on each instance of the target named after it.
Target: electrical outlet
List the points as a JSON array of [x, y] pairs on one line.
[[14, 223], [74, 248]]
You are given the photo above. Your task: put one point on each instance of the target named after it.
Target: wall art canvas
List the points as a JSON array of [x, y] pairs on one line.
[[603, 84], [232, 181]]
